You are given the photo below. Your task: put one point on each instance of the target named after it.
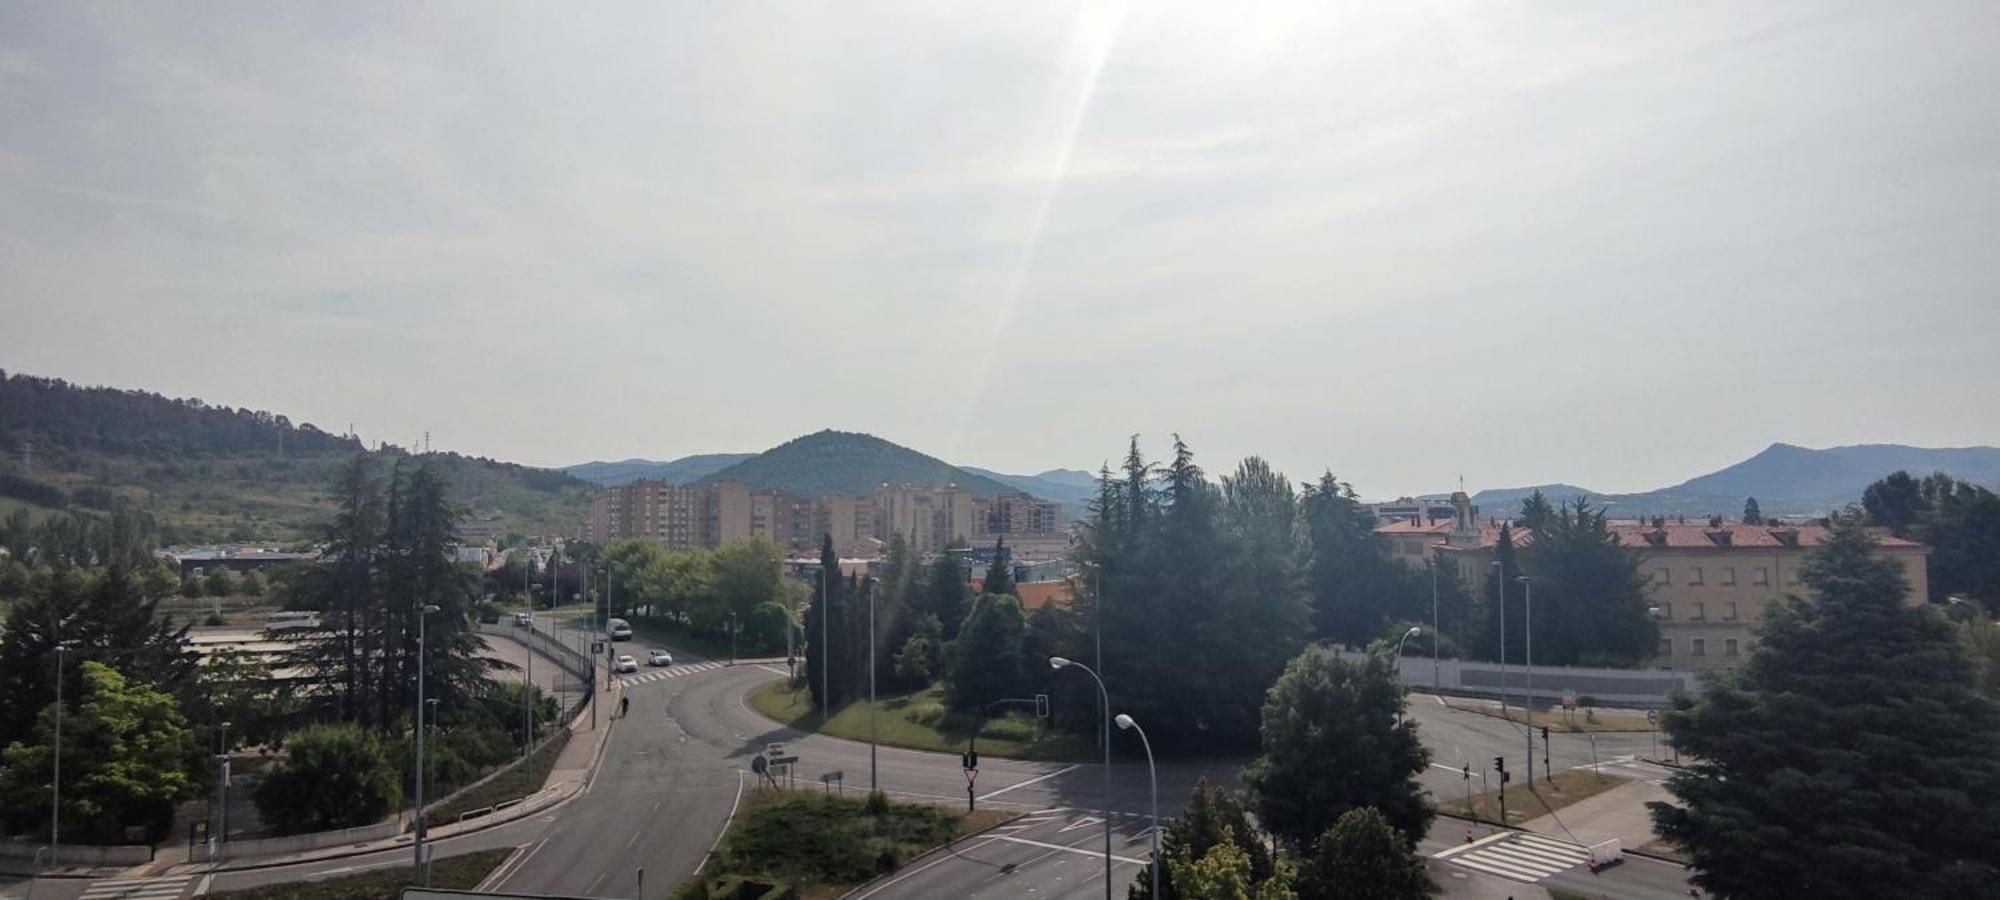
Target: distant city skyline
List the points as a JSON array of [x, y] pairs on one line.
[[1615, 247]]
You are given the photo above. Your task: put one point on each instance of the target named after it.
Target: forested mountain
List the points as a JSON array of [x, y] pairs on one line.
[[1072, 488], [839, 462], [1785, 479], [679, 471], [207, 472]]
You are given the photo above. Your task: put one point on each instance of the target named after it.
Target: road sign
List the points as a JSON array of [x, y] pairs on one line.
[[1652, 717], [1041, 706], [774, 749], [758, 765], [786, 761], [1569, 699]]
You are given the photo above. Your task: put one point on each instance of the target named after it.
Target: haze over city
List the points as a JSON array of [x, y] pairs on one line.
[[1407, 242]]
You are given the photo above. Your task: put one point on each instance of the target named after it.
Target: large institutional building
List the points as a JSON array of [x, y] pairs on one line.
[[1709, 580], [929, 518]]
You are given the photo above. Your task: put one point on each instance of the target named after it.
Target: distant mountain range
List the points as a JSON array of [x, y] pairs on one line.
[[1786, 480], [685, 470], [1073, 488]]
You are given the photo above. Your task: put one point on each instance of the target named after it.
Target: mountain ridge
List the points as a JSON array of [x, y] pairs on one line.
[[828, 462]]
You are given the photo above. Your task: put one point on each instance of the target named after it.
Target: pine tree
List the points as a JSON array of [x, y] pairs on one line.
[[986, 663], [1852, 756], [1505, 601], [1536, 511], [1363, 857], [1589, 598], [946, 593], [824, 610], [1752, 513], [1000, 573]]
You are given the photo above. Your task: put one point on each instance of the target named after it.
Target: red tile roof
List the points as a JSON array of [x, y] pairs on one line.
[[1673, 535]]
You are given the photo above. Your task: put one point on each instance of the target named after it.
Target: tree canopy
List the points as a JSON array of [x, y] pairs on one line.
[[1852, 755], [123, 762]]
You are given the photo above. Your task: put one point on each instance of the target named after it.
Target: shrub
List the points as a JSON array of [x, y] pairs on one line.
[[331, 776]]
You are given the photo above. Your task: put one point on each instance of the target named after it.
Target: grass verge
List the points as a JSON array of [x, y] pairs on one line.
[[457, 873], [518, 780], [1524, 804], [1576, 722], [804, 843], [919, 721]]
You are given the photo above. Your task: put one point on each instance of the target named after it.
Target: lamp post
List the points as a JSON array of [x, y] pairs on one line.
[[1528, 667], [417, 846], [222, 781], [872, 711], [1104, 696], [1127, 723], [825, 698], [1500, 584], [1413, 632], [55, 785], [1437, 676]]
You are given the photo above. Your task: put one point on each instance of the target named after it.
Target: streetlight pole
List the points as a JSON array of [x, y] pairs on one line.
[[1500, 583], [1413, 632], [1129, 724], [825, 620], [55, 786], [222, 781], [872, 711], [1437, 677], [528, 677], [1528, 668], [417, 846], [1104, 696]]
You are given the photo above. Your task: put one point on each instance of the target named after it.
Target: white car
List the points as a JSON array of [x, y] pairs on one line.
[[659, 658], [625, 663], [524, 620]]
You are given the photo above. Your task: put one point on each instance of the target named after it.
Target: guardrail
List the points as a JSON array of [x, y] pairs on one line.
[[300, 843], [1604, 687]]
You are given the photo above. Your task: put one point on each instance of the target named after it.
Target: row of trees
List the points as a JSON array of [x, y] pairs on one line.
[[1958, 520], [1590, 600], [705, 590]]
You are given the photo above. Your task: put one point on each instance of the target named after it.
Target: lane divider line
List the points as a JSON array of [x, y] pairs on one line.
[[1039, 778]]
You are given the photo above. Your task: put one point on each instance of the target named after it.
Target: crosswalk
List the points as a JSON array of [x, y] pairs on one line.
[[1518, 855], [163, 888], [669, 672]]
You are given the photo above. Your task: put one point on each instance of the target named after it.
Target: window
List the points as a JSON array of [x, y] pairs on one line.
[[1660, 577], [1698, 647], [1666, 647], [1763, 576], [1694, 575], [1729, 647], [1729, 611], [1700, 614], [1728, 576]]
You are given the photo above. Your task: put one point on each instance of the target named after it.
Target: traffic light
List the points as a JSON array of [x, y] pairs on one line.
[[1499, 764], [1545, 733], [970, 759]]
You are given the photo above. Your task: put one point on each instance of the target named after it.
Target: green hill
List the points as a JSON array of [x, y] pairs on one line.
[[213, 473], [840, 462]]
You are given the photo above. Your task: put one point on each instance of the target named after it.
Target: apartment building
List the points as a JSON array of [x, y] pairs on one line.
[[848, 520], [674, 515], [1709, 581], [1015, 514], [929, 519]]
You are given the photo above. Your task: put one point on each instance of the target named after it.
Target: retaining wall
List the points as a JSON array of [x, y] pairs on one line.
[[300, 843], [81, 854], [1638, 688]]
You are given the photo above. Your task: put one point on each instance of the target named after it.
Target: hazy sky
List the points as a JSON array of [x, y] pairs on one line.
[[1616, 244]]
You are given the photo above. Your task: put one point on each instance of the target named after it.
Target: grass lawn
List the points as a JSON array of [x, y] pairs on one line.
[[459, 873], [822, 845], [1577, 721], [1524, 804], [522, 778], [919, 721]]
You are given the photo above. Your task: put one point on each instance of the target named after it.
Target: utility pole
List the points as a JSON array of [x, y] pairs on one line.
[[871, 690], [528, 677], [55, 787], [1528, 670], [825, 699], [1437, 678]]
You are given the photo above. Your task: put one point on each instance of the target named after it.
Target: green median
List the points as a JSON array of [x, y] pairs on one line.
[[455, 873], [920, 721]]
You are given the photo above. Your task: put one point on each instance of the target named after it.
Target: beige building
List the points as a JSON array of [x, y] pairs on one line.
[[1709, 581], [848, 520], [930, 519], [670, 514], [1015, 514]]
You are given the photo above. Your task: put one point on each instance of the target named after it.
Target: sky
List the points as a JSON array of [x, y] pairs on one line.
[[1610, 244]]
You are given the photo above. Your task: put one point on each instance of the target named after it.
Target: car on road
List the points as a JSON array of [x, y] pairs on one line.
[[618, 629], [659, 658], [524, 620], [625, 663]]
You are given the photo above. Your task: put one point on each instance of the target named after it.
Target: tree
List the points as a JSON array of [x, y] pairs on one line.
[[946, 594], [921, 656], [1752, 513], [1000, 573], [1590, 600], [1212, 816], [826, 614], [1959, 521], [1223, 873], [1363, 857], [122, 761], [986, 662], [1536, 511], [331, 776], [218, 582], [1355, 586], [1334, 740], [103, 616], [1895, 502], [1852, 756], [1502, 601]]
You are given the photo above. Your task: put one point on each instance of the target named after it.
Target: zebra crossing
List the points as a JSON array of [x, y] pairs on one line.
[[163, 888], [669, 672], [1518, 856]]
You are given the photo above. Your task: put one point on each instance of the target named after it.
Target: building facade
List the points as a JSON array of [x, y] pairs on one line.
[[1708, 582], [1015, 514], [929, 519]]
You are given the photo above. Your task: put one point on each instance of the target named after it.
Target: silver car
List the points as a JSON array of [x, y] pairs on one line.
[[625, 663], [658, 657]]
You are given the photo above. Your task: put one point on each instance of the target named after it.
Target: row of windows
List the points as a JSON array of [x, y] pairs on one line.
[[1726, 576], [1699, 647], [1698, 611]]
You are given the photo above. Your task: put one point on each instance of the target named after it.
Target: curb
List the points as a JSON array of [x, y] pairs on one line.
[[1648, 854], [947, 845]]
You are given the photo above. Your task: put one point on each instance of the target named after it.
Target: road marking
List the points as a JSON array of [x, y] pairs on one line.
[[1518, 855], [201, 887], [1038, 778], [1098, 854], [950, 853], [523, 861], [1084, 822], [136, 888], [725, 824]]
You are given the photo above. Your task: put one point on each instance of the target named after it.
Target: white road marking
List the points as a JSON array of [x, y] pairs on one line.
[[950, 854], [1518, 855], [1098, 854], [725, 824], [1036, 779], [136, 888]]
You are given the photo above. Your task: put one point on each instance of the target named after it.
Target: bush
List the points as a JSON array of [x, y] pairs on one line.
[[1011, 728], [926, 712], [331, 776]]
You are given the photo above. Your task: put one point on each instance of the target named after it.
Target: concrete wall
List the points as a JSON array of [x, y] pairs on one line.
[[300, 843], [80, 854], [1641, 688], [565, 656]]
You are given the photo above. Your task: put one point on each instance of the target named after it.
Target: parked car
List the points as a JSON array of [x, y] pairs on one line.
[[524, 620], [618, 629], [659, 658], [625, 663]]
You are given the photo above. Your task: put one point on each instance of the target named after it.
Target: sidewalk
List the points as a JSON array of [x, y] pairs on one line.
[[1618, 813]]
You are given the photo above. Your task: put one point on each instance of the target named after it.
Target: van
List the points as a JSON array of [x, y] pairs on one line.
[[618, 629]]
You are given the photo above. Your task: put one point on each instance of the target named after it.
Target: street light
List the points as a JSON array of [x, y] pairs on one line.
[[1437, 676], [872, 710], [1528, 667], [417, 846], [1057, 662], [1413, 632], [1126, 723], [222, 779], [1500, 582], [55, 785]]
